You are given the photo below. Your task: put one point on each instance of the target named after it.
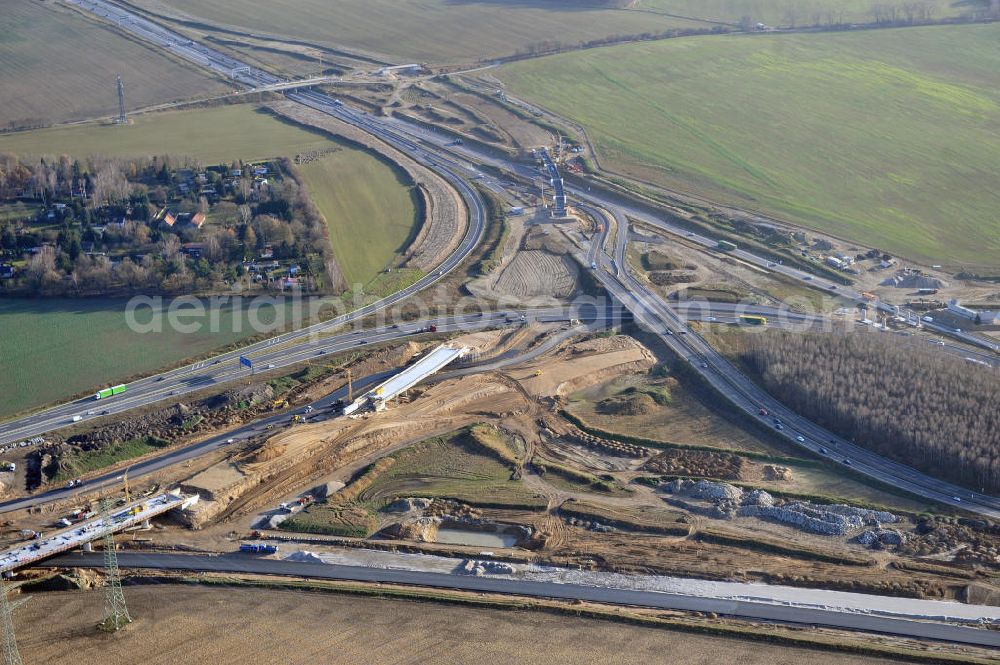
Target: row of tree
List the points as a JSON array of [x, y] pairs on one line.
[[918, 406]]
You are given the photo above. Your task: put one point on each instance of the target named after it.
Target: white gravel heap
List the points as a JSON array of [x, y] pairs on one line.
[[826, 519]]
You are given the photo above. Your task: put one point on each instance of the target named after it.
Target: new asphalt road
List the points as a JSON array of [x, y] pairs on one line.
[[746, 609]]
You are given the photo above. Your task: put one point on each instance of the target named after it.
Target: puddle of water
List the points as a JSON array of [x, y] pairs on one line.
[[452, 536]]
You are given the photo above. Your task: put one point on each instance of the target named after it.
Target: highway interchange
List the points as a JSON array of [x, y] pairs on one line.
[[458, 164]]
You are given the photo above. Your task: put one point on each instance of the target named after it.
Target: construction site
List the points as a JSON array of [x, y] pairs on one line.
[[549, 444]]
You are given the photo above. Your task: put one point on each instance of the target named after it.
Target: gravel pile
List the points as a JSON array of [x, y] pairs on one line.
[[826, 519]]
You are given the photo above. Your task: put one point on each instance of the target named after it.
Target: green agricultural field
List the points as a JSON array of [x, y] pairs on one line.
[[431, 31], [369, 208], [888, 137], [57, 65], [792, 13], [52, 349], [214, 135]]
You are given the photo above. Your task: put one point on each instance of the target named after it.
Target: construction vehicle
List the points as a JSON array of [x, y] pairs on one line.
[[870, 297], [258, 548], [298, 419], [725, 246], [431, 328], [279, 404]]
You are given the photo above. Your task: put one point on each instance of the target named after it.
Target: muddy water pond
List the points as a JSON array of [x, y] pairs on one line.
[[455, 536]]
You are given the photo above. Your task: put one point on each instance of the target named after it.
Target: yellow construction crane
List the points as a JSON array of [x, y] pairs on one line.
[[128, 490], [350, 386]]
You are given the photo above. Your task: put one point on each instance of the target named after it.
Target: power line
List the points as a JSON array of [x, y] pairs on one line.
[[122, 119], [11, 655], [117, 616]]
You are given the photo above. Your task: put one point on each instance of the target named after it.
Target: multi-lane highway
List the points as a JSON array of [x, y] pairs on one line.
[[657, 316], [429, 148], [324, 407], [747, 609]]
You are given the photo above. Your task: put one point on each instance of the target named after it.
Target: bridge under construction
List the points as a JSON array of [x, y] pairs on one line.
[[378, 398], [132, 514]]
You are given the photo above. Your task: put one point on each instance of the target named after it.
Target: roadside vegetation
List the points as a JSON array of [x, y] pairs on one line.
[[85, 461], [929, 411], [886, 137]]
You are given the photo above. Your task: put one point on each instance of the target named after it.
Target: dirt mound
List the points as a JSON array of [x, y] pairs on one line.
[[635, 404], [699, 463], [912, 280], [669, 278], [531, 274], [775, 472]]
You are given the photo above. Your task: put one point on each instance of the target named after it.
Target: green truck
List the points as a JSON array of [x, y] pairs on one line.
[[108, 392], [726, 246]]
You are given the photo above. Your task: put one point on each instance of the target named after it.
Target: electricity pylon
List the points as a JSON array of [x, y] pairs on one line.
[[11, 655], [117, 616]]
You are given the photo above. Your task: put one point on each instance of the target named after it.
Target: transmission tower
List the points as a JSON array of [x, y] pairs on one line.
[[11, 655], [121, 102], [117, 616]]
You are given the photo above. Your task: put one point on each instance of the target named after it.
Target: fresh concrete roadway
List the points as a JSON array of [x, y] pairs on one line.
[[656, 316], [745, 609]]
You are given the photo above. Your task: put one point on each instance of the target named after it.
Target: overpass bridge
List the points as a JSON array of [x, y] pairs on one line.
[[378, 397], [128, 516]]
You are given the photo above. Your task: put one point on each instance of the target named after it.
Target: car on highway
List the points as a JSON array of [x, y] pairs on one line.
[[823, 451], [105, 412], [230, 440], [807, 278], [847, 462], [704, 365], [321, 352], [956, 498], [159, 378], [832, 287], [270, 366], [779, 427], [800, 438]]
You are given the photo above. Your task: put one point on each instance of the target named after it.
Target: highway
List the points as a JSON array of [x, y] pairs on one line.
[[745, 609], [650, 311], [429, 147], [323, 408]]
